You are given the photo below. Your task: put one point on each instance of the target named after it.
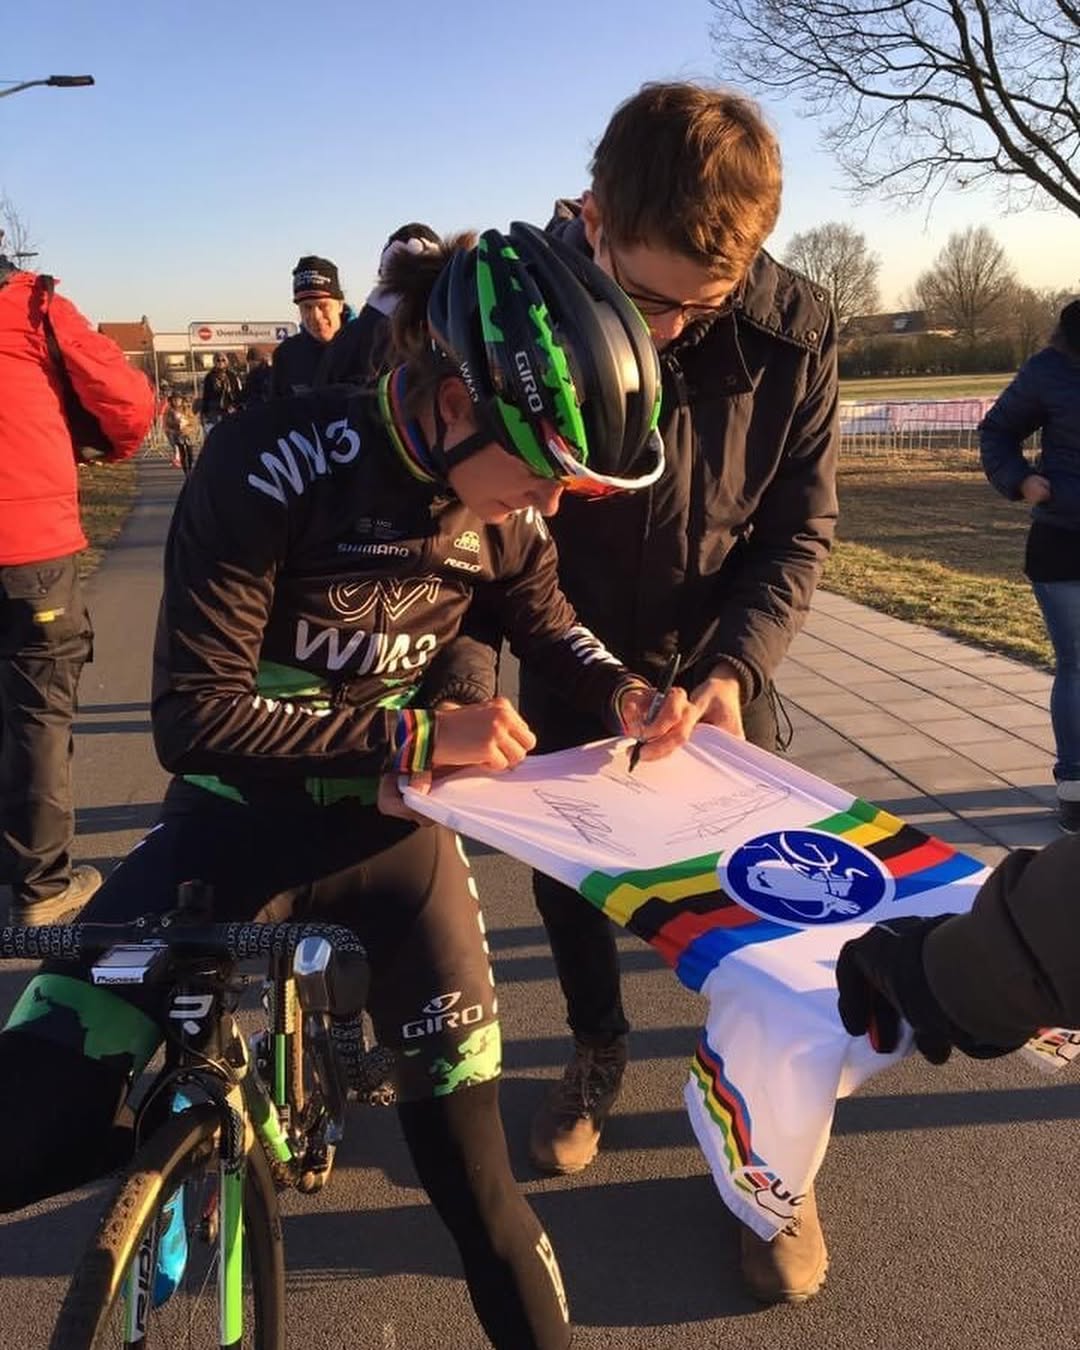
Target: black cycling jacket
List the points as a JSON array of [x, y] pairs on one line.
[[311, 576]]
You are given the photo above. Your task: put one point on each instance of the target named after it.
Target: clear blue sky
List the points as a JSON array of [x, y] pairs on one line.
[[222, 141]]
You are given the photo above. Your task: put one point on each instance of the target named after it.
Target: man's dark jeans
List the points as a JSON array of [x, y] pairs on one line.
[[45, 640], [582, 938]]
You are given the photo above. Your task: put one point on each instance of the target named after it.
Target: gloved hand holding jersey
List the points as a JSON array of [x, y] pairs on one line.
[[983, 982]]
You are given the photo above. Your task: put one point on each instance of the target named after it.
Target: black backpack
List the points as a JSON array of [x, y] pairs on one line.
[[88, 441]]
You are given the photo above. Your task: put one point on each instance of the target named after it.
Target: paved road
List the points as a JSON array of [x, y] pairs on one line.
[[947, 1196]]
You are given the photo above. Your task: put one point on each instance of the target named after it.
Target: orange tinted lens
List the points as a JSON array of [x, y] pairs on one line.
[[589, 487]]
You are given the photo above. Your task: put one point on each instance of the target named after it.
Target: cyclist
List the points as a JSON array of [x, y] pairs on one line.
[[324, 550]]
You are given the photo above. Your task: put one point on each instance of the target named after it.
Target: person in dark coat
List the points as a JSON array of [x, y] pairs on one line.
[[220, 392], [1045, 397], [318, 295], [359, 352], [258, 380], [981, 982], [719, 559]]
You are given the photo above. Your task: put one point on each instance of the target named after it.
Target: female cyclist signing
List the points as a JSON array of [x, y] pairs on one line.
[[322, 553]]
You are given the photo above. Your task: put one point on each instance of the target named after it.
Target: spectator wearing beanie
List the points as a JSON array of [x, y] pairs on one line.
[[360, 351], [1045, 397], [318, 294]]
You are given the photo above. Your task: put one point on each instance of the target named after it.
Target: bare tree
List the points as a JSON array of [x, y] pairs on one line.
[[837, 258], [1033, 315], [970, 285], [15, 238], [917, 94]]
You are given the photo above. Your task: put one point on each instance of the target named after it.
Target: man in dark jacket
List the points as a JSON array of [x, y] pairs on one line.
[[719, 560], [220, 392], [984, 981], [358, 354], [258, 379], [318, 295], [45, 631]]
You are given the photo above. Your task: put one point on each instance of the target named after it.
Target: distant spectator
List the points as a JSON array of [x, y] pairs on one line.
[[1045, 396], [45, 631], [317, 291], [358, 354], [220, 392], [258, 381], [181, 431]]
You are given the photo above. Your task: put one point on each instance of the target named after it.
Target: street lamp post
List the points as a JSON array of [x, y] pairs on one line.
[[53, 81]]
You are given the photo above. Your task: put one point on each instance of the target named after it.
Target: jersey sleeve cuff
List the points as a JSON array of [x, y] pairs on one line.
[[412, 741]]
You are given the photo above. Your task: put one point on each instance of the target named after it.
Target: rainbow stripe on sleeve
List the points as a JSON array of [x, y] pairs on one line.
[[681, 911]]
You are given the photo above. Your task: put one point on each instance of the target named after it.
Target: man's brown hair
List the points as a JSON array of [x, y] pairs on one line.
[[691, 169]]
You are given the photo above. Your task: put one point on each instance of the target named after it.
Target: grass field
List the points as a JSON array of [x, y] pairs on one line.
[[926, 386], [928, 540], [106, 495]]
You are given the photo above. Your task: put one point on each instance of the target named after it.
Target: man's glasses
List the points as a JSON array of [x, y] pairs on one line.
[[654, 306]]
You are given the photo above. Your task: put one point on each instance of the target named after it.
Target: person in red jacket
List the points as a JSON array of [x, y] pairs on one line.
[[45, 632]]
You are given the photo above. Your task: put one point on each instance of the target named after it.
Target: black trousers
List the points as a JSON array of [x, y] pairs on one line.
[[582, 938], [45, 640]]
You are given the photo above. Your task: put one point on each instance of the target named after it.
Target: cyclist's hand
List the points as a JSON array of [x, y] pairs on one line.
[[718, 701], [491, 735], [390, 800], [670, 728]]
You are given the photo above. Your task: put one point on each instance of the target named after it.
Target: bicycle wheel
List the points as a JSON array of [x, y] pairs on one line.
[[151, 1269]]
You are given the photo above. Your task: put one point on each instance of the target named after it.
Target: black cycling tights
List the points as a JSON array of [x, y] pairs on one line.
[[456, 1142]]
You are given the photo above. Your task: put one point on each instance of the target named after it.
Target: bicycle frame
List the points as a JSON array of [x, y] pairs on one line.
[[283, 1094]]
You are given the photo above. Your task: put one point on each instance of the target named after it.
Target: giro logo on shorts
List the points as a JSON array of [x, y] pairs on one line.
[[805, 877], [442, 1013], [546, 1253]]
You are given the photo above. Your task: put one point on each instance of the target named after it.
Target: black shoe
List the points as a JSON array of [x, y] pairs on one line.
[[1068, 809], [84, 882]]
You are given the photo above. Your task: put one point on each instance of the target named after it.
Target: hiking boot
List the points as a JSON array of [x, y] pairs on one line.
[[1068, 805], [791, 1268], [565, 1131], [84, 882]]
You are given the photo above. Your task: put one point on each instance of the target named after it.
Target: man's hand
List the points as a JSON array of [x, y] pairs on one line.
[[718, 701], [491, 735], [671, 727]]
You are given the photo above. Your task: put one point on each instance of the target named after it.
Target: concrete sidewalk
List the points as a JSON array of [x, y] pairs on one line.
[[954, 739]]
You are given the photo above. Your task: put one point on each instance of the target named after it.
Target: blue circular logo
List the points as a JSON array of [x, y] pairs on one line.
[[805, 878]]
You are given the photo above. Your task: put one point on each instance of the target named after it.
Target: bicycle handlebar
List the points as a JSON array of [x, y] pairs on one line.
[[229, 941]]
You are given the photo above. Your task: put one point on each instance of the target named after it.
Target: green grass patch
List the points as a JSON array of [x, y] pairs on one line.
[[928, 540], [901, 388], [106, 496]]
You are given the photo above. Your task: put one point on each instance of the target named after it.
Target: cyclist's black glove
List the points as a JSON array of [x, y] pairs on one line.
[[881, 980]]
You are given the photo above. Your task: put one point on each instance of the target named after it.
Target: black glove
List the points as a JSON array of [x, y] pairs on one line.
[[881, 980]]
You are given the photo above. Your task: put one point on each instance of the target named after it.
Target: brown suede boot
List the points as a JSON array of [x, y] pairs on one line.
[[565, 1131], [792, 1267]]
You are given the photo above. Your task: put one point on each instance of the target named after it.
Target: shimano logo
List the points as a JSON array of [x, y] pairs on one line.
[[442, 1014], [528, 381], [376, 550]]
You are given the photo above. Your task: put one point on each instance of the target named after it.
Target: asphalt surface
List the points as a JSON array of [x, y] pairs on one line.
[[948, 1196]]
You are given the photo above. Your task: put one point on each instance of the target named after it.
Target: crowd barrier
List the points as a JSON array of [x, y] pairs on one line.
[[914, 425]]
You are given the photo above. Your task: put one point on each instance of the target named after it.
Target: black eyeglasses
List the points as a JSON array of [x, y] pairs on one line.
[[653, 306]]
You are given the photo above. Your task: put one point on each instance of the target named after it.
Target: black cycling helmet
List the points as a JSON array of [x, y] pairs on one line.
[[556, 357]]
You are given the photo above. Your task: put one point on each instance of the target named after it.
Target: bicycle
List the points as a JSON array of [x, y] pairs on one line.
[[223, 1125]]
